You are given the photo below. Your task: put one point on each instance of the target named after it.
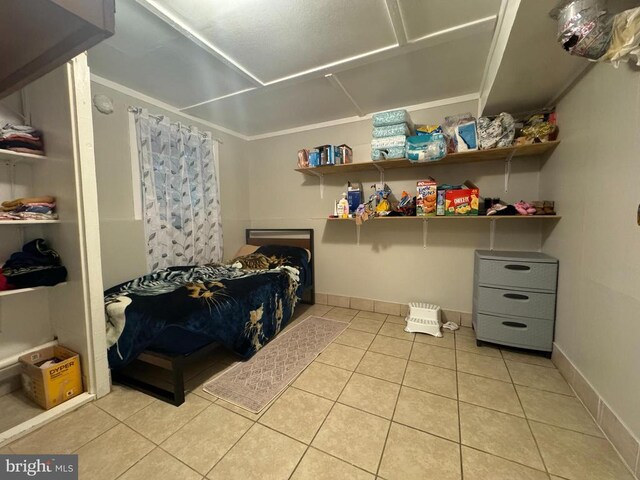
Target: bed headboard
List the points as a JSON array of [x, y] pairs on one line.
[[293, 237]]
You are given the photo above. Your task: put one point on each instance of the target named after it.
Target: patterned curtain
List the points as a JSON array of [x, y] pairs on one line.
[[180, 197]]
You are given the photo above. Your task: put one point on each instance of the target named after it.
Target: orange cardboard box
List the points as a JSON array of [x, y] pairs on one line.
[[426, 198], [49, 386], [464, 201]]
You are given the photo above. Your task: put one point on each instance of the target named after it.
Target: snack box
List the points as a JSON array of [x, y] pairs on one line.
[[426, 198], [440, 203], [463, 201], [51, 385]]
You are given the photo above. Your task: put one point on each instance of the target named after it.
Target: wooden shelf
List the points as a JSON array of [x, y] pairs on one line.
[[17, 291], [19, 157], [459, 217], [522, 151], [19, 223]]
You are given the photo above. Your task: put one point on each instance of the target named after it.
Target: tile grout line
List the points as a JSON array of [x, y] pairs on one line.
[[269, 406], [455, 357], [335, 402], [526, 417], [393, 414]]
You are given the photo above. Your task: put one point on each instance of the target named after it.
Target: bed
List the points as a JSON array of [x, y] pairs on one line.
[[178, 315]]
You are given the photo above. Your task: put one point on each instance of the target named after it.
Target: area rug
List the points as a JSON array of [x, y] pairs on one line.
[[254, 383]]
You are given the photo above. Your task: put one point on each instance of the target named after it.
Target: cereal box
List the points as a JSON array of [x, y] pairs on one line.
[[463, 201], [426, 198]]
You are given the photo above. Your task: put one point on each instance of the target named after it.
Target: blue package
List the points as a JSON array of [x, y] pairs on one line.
[[426, 148], [314, 158], [466, 136]]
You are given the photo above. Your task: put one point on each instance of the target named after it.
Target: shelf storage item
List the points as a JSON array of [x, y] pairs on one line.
[[507, 153], [514, 299]]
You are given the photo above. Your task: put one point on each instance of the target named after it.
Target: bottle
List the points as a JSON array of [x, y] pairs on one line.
[[343, 207]]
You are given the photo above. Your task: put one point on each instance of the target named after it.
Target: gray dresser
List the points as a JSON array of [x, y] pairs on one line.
[[514, 299]]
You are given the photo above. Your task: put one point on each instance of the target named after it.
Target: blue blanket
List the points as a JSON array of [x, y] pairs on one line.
[[239, 307]]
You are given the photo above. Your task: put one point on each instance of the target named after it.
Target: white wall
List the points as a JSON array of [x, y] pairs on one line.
[[122, 237], [594, 176], [390, 264]]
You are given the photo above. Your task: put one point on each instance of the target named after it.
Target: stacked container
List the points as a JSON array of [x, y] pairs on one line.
[[390, 132]]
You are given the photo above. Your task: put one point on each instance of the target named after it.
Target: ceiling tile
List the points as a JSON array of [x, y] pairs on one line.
[[265, 37], [276, 108], [422, 17], [172, 69], [446, 70]]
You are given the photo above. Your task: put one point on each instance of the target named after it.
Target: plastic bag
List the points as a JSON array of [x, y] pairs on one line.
[[496, 133], [584, 27], [426, 148], [625, 40]]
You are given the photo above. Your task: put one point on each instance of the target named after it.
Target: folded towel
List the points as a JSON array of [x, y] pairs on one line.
[[21, 201]]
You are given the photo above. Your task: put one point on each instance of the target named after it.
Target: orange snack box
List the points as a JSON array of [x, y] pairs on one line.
[[426, 198]]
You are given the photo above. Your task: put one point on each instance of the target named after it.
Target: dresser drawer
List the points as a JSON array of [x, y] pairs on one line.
[[520, 332], [518, 274], [517, 303]]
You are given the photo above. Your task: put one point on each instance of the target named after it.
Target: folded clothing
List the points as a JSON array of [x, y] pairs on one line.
[[21, 138], [392, 117], [387, 142], [11, 204], [35, 266], [386, 153], [391, 130], [33, 208]]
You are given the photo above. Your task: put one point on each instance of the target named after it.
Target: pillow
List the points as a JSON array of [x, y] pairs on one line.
[[245, 250]]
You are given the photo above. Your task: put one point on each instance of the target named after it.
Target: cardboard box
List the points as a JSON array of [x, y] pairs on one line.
[[52, 385], [463, 201], [440, 203], [426, 198]]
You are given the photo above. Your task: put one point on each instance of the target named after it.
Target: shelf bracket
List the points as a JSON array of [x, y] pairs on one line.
[[507, 171], [425, 230], [381, 170], [492, 233], [357, 234]]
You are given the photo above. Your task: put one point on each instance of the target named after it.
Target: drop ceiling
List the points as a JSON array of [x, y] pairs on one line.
[[262, 66]]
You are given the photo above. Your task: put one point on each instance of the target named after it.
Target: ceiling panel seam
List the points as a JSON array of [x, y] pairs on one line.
[[194, 36], [395, 15], [105, 82], [435, 38], [341, 121], [504, 24], [218, 98], [470, 97], [476, 26], [337, 84]]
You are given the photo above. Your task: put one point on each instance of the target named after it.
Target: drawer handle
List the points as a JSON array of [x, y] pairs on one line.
[[515, 296], [514, 324], [517, 267]]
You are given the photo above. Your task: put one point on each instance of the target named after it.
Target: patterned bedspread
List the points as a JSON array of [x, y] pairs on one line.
[[239, 307]]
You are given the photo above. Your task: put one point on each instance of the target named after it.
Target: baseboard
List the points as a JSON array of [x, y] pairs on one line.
[[623, 440], [387, 308]]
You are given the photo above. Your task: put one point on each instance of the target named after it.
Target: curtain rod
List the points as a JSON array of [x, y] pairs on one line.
[[133, 109]]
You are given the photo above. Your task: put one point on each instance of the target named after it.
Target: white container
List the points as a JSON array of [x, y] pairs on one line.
[[424, 318]]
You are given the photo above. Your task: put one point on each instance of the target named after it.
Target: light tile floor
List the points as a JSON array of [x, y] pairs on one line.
[[377, 403]]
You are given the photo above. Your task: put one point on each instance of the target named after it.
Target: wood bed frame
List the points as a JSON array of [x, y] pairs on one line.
[[173, 366]]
